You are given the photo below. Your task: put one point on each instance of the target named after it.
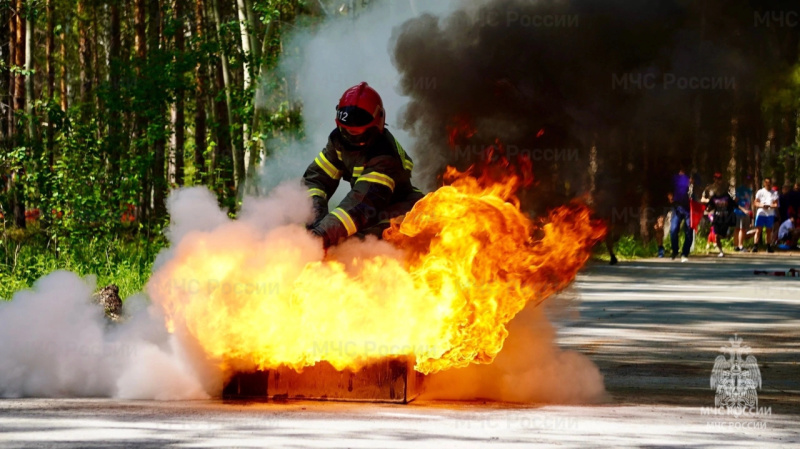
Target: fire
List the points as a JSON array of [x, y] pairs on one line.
[[470, 242], [495, 163], [471, 260], [461, 128]]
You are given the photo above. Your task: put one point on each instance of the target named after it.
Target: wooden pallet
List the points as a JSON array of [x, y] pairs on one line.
[[390, 380]]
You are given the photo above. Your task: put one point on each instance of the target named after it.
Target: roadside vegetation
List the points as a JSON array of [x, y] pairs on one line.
[[125, 258]]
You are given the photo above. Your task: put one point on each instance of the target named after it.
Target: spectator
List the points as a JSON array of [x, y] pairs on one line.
[[784, 202], [608, 204], [794, 201], [765, 214], [744, 212], [705, 220], [721, 205], [776, 222], [659, 227], [659, 234], [680, 215], [788, 234], [711, 189]]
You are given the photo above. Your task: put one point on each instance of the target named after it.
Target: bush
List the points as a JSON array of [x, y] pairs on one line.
[[125, 260], [630, 248]]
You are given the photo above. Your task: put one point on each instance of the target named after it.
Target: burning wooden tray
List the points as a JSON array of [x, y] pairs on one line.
[[389, 380]]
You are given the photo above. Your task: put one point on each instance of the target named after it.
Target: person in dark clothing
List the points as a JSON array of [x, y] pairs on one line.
[[784, 203], [362, 152], [722, 206], [744, 212], [607, 201], [794, 201], [680, 215]]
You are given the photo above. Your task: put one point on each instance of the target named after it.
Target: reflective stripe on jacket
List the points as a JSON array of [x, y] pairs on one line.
[[379, 176]]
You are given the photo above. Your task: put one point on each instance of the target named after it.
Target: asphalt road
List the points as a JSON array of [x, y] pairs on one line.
[[653, 327]]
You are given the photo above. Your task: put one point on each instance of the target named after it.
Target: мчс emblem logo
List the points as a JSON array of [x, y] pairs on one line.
[[736, 379]]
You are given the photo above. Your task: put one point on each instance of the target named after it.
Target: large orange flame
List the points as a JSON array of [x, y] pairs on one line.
[[470, 242], [472, 260]]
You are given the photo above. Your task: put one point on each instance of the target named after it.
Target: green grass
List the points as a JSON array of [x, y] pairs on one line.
[[629, 247], [125, 260]]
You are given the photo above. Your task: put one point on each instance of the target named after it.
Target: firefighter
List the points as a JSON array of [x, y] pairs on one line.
[[365, 154]]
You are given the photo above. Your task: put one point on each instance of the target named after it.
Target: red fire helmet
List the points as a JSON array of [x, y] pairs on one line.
[[359, 110]]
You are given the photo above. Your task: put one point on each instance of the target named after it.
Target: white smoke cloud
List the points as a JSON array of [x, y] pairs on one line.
[[54, 342], [531, 368], [339, 55]]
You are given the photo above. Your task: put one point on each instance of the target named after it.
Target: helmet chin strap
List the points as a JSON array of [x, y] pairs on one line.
[[368, 137]]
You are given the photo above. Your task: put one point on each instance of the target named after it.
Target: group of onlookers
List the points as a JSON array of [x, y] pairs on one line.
[[776, 214], [769, 212]]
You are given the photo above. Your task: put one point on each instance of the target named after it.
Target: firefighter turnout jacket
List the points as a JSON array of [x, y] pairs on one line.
[[380, 179]]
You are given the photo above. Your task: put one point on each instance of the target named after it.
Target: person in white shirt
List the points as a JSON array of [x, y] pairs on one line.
[[765, 214]]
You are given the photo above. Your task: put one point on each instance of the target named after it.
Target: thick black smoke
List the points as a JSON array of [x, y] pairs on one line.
[[649, 84]]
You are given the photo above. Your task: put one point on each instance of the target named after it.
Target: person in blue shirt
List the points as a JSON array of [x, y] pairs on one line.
[[680, 214]]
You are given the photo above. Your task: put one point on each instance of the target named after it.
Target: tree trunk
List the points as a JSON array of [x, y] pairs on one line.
[[789, 123], [50, 45], [792, 54], [17, 200], [222, 163], [114, 116], [128, 115], [593, 168], [212, 106], [141, 35], [157, 102], [645, 217], [252, 24], [141, 118], [733, 152], [19, 53], [734, 144], [237, 153], [84, 55], [200, 100], [179, 121], [255, 145], [241, 10], [17, 197], [94, 50], [63, 81], [247, 71], [12, 79], [253, 156], [3, 81], [29, 95], [762, 160], [750, 159]]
